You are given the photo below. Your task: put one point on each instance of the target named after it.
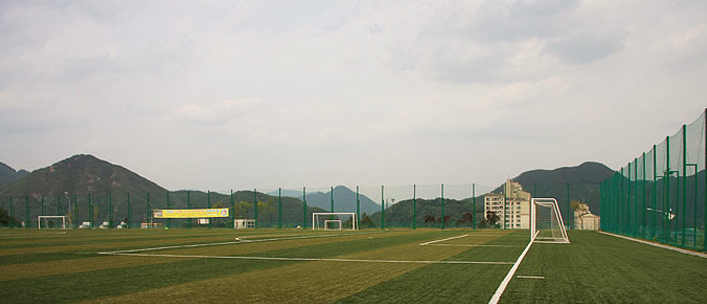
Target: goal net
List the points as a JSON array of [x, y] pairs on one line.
[[546, 225], [334, 221], [51, 222]]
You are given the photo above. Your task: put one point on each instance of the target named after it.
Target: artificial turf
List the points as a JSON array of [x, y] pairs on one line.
[[66, 268]]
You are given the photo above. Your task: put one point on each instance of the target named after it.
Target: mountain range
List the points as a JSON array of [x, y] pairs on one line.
[[83, 178]]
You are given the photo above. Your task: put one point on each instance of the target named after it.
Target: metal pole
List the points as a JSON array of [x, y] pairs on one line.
[[232, 211], [188, 207], [255, 203], [382, 208], [414, 206], [442, 206], [643, 207], [90, 212], [635, 205], [568, 207], [358, 210], [279, 208], [42, 204], [621, 202], [473, 213], [169, 206], [12, 214], [331, 198], [684, 183], [26, 211], [148, 211], [666, 194], [304, 207], [110, 209], [130, 213], [208, 205]]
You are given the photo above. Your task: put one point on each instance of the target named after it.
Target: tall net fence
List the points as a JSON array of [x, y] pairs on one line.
[[660, 195], [426, 206]]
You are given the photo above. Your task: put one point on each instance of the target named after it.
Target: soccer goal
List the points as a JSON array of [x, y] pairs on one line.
[[334, 221], [48, 222], [546, 225]]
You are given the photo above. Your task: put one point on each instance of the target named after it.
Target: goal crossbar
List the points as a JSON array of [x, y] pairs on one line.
[[316, 216], [550, 222]]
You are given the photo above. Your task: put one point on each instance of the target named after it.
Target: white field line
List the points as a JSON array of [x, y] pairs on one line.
[[499, 292], [503, 235], [473, 245], [228, 243], [531, 277], [451, 238], [685, 251], [302, 259]]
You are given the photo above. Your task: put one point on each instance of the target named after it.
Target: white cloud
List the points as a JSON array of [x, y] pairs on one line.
[[313, 93]]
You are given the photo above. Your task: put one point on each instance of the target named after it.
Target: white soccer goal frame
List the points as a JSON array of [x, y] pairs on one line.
[[45, 217], [327, 222], [551, 203], [317, 215]]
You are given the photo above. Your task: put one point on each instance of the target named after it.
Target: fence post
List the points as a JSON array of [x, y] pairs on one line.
[[414, 206], [208, 206], [169, 206], [279, 208], [569, 210], [684, 183], [304, 207], [358, 210], [130, 213], [473, 199], [382, 207], [232, 212], [442, 206], [255, 203], [26, 211], [148, 212]]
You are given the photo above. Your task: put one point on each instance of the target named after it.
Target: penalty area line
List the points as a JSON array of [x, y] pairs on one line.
[[302, 259], [442, 240]]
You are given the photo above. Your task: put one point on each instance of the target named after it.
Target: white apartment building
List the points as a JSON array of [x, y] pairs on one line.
[[512, 206]]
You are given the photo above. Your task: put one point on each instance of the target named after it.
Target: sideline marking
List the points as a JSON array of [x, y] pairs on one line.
[[226, 243], [451, 238], [299, 259], [497, 296], [685, 251]]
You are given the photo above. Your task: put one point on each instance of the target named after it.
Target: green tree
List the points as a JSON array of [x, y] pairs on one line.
[[366, 222], [6, 219]]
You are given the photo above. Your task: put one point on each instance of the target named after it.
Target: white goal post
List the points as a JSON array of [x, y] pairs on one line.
[[44, 219], [322, 220], [546, 224]]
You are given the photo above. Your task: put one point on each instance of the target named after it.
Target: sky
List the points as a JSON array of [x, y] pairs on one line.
[[265, 94]]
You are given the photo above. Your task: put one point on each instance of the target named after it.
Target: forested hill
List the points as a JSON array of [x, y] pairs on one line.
[[8, 175]]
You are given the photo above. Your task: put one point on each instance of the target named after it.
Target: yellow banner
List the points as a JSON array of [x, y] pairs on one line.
[[190, 213]]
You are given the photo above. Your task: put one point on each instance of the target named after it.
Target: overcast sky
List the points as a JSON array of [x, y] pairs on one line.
[[225, 94]]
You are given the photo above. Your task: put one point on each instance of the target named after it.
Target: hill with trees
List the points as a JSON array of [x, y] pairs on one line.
[[8, 175]]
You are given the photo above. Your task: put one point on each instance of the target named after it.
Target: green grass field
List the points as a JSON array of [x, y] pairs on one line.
[[290, 266]]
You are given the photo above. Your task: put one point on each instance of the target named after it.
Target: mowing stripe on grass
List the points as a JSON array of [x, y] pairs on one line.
[[451, 238], [685, 251], [497, 296], [304, 259], [228, 243]]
